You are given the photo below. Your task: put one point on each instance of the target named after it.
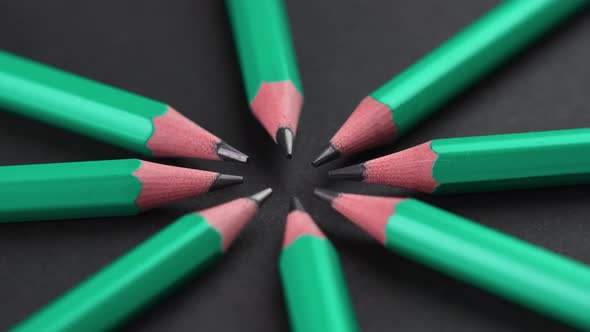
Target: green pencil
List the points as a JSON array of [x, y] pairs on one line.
[[396, 107], [98, 188], [104, 113], [315, 290], [482, 163], [133, 281], [528, 275], [269, 68]]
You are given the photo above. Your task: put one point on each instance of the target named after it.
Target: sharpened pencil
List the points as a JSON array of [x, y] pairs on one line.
[[98, 188], [104, 113], [410, 97], [508, 267], [482, 163], [184, 248], [313, 282], [269, 67]]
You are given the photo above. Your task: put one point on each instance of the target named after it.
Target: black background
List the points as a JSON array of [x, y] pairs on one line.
[[181, 52]]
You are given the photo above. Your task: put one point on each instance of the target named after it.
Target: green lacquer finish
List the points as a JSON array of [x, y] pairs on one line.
[[69, 190], [524, 160], [78, 104], [133, 281], [263, 41], [536, 278], [470, 54], [314, 286]]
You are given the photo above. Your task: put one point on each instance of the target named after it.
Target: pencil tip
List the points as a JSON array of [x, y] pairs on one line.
[[330, 153], [229, 153], [226, 180], [295, 205], [262, 196], [325, 195], [285, 140], [354, 172]]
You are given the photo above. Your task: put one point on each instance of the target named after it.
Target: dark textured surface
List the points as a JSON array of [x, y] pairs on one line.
[[181, 52]]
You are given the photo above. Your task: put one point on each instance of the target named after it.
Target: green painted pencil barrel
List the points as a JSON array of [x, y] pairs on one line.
[[315, 290], [263, 39], [472, 53], [523, 160], [69, 190], [523, 273], [78, 104], [133, 281]]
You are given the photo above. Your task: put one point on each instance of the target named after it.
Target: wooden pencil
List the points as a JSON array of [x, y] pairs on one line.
[[400, 104], [98, 188], [104, 113], [313, 282], [183, 249], [482, 163], [269, 67], [508, 267]]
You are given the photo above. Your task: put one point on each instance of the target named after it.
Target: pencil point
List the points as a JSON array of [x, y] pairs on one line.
[[295, 205], [228, 152], [325, 195], [330, 153], [285, 140], [226, 180], [262, 196], [354, 172], [299, 224]]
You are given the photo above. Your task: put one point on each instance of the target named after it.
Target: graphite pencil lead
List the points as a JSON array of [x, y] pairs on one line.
[[229, 153], [262, 196], [295, 205], [226, 180], [285, 141], [325, 194], [354, 172], [330, 153]]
